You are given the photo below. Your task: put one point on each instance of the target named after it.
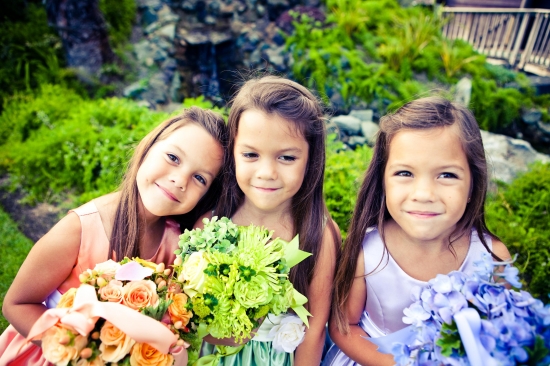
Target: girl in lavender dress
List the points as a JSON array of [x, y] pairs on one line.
[[419, 213]]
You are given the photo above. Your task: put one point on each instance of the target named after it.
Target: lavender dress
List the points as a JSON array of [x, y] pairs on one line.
[[389, 292]]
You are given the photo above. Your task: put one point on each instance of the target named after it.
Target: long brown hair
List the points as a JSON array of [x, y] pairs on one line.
[[370, 210], [295, 103], [126, 228]]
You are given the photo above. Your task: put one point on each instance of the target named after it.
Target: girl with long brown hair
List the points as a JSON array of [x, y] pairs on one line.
[[274, 178], [171, 180], [419, 213]]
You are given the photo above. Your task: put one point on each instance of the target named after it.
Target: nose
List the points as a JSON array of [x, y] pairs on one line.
[[266, 170], [423, 190], [180, 180]]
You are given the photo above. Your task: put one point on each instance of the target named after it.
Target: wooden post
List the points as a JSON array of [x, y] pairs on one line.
[[519, 39], [530, 42]]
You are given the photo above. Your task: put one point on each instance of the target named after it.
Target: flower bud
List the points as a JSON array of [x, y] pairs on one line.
[[167, 272], [64, 340], [161, 285], [160, 268], [94, 273], [181, 278], [101, 282], [92, 282], [95, 335], [180, 342], [83, 277], [178, 324], [178, 261], [86, 353], [158, 280]]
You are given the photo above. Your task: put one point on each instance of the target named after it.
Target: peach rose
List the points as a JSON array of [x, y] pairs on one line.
[[67, 299], [140, 294], [95, 362], [146, 355], [177, 309], [115, 344], [107, 269], [59, 354], [112, 292]]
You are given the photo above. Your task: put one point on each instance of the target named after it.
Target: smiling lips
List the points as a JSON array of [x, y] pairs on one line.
[[266, 189], [167, 193], [423, 214]]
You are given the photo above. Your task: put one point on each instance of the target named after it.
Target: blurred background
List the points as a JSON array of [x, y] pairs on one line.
[[81, 81]]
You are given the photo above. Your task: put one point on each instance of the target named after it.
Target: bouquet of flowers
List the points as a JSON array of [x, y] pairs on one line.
[[473, 320], [123, 313], [236, 275]]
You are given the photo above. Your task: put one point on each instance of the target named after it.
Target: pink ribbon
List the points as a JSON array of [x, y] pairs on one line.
[[85, 311]]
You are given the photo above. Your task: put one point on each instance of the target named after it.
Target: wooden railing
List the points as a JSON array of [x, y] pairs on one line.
[[521, 37]]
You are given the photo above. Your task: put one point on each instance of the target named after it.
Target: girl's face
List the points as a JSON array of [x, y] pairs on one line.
[[270, 160], [427, 182], [178, 171]]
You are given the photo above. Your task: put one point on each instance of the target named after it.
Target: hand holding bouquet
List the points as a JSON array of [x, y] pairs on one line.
[[235, 276], [122, 313], [473, 320]]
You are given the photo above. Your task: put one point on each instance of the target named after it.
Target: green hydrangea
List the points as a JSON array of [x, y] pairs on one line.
[[282, 300], [200, 309], [253, 293], [217, 235]]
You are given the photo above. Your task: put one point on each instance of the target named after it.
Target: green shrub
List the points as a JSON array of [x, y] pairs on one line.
[[520, 215], [120, 16], [57, 143], [343, 176], [14, 248]]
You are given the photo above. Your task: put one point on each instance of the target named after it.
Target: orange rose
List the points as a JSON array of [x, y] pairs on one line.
[[115, 344], [67, 299], [140, 294], [177, 309], [60, 354], [146, 355], [112, 292]]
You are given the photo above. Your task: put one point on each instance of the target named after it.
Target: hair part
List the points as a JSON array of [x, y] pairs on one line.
[[294, 103], [126, 232], [370, 210]]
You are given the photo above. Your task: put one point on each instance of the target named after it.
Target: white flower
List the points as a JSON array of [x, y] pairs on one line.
[[193, 274], [288, 335], [107, 269]]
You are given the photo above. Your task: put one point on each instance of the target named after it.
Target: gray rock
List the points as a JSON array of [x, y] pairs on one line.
[[168, 31], [369, 131], [365, 115], [143, 50], [148, 16], [532, 116], [348, 124], [276, 57], [463, 91], [134, 90], [544, 127], [354, 141], [157, 89], [175, 88], [155, 4], [508, 157]]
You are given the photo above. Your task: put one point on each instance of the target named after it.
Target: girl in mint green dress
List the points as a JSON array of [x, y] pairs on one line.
[[274, 178]]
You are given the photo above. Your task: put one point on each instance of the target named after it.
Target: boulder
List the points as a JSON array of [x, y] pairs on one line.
[[348, 124]]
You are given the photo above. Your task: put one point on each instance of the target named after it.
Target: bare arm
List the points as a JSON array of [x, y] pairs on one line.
[[47, 265], [353, 344], [309, 352]]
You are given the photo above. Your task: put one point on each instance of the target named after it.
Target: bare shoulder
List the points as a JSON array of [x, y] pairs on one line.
[[500, 250], [107, 204], [199, 224]]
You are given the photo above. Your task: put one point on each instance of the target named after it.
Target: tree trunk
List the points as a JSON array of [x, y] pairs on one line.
[[83, 31]]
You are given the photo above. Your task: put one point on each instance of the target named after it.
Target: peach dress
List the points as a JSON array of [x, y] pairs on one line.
[[94, 247]]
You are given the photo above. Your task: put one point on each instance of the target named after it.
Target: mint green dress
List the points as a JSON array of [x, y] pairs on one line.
[[257, 352]]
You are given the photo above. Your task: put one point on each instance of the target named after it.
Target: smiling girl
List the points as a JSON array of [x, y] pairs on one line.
[[274, 178], [419, 213], [171, 181]]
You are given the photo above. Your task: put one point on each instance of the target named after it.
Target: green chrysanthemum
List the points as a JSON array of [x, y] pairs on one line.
[[253, 293]]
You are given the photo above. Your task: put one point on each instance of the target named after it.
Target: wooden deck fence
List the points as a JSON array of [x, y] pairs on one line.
[[521, 37]]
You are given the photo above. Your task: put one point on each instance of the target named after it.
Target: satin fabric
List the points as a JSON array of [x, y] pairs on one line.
[[258, 351], [94, 248], [389, 290]]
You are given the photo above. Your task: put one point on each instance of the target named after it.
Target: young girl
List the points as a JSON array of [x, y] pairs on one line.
[[171, 180], [419, 213], [274, 178]]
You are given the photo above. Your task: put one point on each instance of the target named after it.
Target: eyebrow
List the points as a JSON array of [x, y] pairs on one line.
[[290, 149], [405, 166]]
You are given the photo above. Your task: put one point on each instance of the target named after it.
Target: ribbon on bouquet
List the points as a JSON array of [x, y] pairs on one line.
[[468, 323], [85, 311]]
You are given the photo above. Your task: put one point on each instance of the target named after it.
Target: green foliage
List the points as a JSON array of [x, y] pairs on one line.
[[14, 248], [30, 53], [120, 16], [373, 50], [519, 215], [343, 176]]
